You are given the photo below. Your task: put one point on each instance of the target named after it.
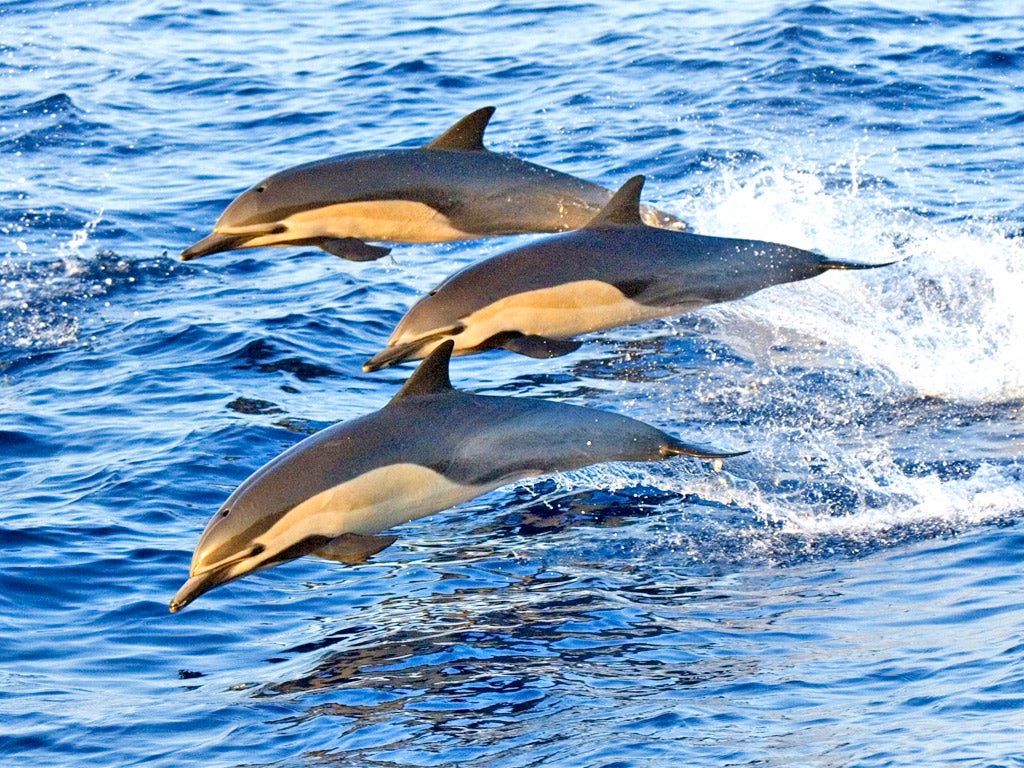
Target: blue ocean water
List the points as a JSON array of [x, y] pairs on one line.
[[847, 594]]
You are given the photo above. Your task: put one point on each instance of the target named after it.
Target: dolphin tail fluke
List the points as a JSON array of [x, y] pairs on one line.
[[353, 548], [838, 264], [677, 448]]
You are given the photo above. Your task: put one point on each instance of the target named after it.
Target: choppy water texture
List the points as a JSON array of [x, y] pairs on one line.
[[848, 593]]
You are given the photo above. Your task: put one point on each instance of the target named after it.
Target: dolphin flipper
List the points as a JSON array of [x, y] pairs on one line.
[[353, 548], [539, 346], [351, 248]]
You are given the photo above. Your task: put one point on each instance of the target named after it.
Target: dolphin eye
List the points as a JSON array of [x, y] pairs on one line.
[[261, 188], [225, 512]]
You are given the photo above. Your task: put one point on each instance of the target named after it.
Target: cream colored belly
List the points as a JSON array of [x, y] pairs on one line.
[[371, 503], [559, 312], [399, 221]]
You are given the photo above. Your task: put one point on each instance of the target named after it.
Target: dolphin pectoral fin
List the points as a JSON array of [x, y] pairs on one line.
[[351, 248], [536, 346], [214, 243], [676, 448], [353, 548]]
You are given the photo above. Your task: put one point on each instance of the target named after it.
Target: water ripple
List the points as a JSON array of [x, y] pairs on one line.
[[866, 550]]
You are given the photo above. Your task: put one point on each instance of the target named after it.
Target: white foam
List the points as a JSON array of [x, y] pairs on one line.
[[942, 331], [947, 321], [890, 506]]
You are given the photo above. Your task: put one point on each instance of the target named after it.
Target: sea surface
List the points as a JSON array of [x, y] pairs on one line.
[[848, 593]]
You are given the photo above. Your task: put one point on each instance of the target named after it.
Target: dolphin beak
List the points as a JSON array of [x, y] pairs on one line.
[[392, 356], [196, 586], [416, 349], [214, 243]]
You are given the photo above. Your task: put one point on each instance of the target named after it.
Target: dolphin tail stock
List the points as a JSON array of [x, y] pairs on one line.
[[653, 217]]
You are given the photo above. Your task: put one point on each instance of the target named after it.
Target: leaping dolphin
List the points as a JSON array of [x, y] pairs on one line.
[[615, 271], [429, 448], [452, 188]]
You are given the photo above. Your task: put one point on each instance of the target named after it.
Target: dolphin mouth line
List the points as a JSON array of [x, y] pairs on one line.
[[193, 588], [231, 239], [253, 551], [202, 581], [393, 355], [215, 243], [253, 230]]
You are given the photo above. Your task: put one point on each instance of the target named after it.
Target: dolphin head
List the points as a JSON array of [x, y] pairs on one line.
[[301, 502], [414, 347], [263, 523], [432, 320], [253, 214], [232, 545]]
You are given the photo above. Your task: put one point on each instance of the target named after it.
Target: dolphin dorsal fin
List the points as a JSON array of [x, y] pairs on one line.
[[431, 377], [623, 208], [466, 135]]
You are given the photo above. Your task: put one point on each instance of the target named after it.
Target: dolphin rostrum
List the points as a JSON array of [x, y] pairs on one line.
[[615, 271], [429, 448], [452, 188]]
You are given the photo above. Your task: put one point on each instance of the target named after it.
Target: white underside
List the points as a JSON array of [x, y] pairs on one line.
[[397, 221]]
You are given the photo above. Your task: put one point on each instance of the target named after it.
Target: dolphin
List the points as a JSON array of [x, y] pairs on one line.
[[429, 448], [615, 271], [452, 188]]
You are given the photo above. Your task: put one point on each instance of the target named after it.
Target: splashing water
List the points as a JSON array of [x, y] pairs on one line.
[[37, 296], [947, 320], [843, 386]]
